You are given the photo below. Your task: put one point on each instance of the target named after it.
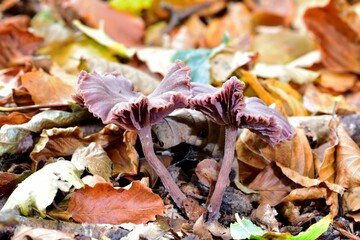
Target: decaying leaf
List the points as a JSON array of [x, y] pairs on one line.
[[45, 89], [16, 45], [39, 189], [105, 204], [14, 118], [100, 37], [281, 47], [339, 43], [94, 159], [26, 232], [93, 11], [207, 171], [11, 135]]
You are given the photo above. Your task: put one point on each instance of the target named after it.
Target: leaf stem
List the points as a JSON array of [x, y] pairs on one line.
[[229, 150], [148, 147]]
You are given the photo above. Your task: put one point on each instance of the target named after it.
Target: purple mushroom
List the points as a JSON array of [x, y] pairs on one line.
[[111, 98], [227, 106]]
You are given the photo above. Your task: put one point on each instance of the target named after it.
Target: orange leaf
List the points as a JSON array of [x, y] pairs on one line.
[[120, 26], [14, 118], [339, 43], [46, 89], [105, 204], [16, 45]]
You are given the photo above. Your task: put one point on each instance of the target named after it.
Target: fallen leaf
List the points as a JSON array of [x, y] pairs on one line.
[[225, 63], [347, 160], [339, 43], [16, 45], [8, 182], [244, 228], [40, 188], [100, 37], [120, 26], [11, 135], [14, 118], [291, 99], [207, 171], [162, 56], [52, 30], [94, 159], [272, 12], [47, 89], [105, 204], [318, 102], [281, 47], [285, 73], [265, 215], [26, 232], [339, 82], [236, 22]]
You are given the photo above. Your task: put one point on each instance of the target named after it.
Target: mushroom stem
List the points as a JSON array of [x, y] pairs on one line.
[[229, 150], [148, 147]]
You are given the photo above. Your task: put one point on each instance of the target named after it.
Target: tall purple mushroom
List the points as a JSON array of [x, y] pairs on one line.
[[111, 98], [227, 106]]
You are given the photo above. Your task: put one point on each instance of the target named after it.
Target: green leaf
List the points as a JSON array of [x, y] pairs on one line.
[[245, 229], [199, 61], [12, 135], [315, 230], [39, 189], [134, 7], [102, 38]]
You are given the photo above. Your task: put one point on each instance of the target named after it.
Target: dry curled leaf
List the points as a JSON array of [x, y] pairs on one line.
[[339, 43], [105, 204], [16, 45], [46, 89]]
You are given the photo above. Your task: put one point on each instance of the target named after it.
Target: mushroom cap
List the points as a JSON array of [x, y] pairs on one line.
[[227, 106], [111, 97]]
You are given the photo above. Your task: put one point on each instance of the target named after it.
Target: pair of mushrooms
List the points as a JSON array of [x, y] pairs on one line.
[[111, 98]]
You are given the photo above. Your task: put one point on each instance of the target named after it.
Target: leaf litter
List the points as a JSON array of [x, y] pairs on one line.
[[63, 164]]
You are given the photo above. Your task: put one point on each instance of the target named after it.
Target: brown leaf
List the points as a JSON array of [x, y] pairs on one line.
[[16, 45], [272, 12], [14, 118], [46, 89], [347, 160], [94, 159], [105, 204], [118, 144], [193, 209], [207, 171], [351, 200], [120, 26], [236, 22], [339, 43], [339, 82], [318, 102], [301, 194], [265, 215], [8, 182], [25, 232], [271, 184]]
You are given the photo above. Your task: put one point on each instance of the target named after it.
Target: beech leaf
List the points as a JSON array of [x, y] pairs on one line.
[[94, 159], [105, 204], [40, 188], [11, 135]]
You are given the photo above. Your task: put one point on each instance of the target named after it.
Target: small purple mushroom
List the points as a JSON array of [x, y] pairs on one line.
[[111, 98], [227, 106]]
